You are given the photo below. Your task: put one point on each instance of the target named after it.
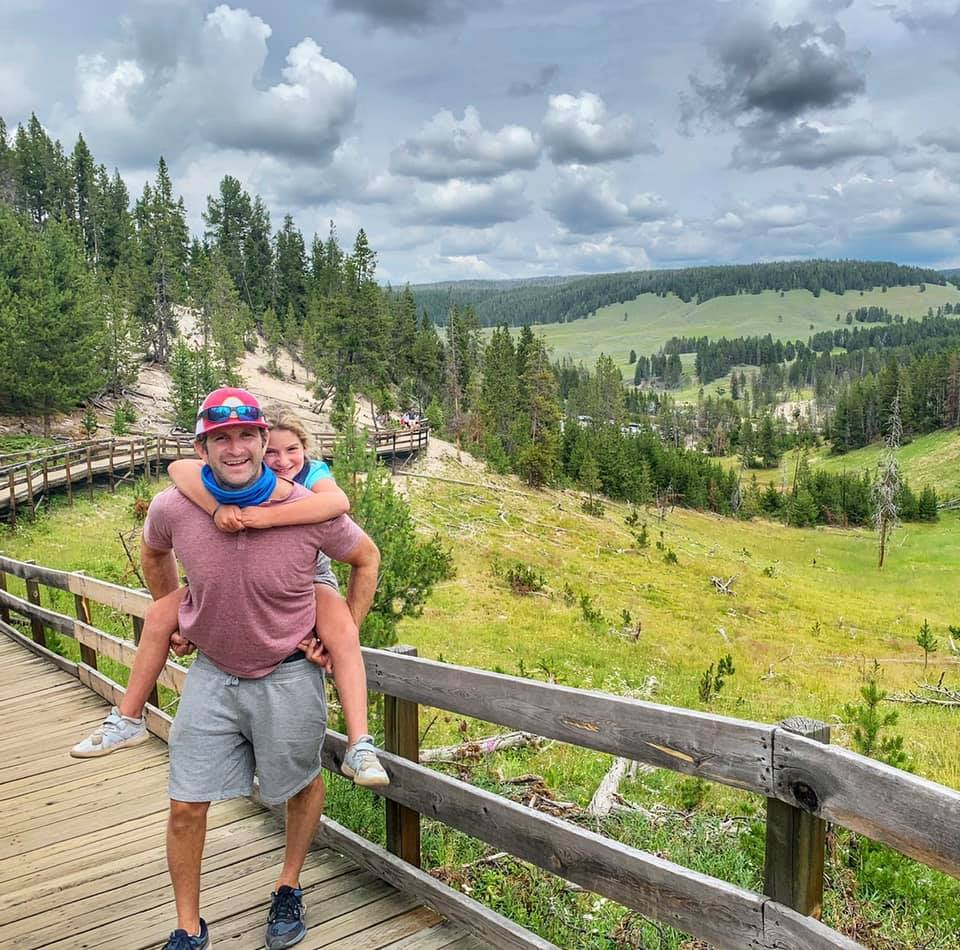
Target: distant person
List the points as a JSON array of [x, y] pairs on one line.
[[254, 699]]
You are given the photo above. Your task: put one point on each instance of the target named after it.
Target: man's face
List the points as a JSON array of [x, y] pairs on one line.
[[234, 453]]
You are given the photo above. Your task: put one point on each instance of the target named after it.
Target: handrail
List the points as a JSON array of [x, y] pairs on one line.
[[918, 817]]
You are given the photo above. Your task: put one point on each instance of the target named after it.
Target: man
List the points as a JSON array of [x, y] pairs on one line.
[[253, 700]]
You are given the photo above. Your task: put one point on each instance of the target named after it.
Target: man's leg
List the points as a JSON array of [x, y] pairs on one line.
[[303, 817], [186, 833]]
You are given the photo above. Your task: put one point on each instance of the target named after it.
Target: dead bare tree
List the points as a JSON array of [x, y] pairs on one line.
[[887, 486]]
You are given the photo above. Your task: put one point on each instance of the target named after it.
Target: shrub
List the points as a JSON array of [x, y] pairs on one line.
[[712, 682], [523, 579]]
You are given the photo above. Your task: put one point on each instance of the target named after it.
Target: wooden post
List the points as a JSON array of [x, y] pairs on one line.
[[87, 653], [159, 458], [146, 460], [30, 501], [46, 480], [12, 488], [90, 472], [36, 625], [401, 722], [133, 460], [113, 484], [796, 841], [66, 466], [393, 455], [4, 609]]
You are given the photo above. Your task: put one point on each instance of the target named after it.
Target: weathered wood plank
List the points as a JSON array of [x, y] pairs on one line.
[[916, 817], [401, 726], [124, 599], [62, 662], [713, 910], [731, 751], [499, 931], [796, 840], [173, 676]]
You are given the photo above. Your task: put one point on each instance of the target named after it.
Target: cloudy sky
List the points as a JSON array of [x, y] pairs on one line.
[[514, 138]]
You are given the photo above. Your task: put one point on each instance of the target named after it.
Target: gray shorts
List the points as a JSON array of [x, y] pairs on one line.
[[228, 728]]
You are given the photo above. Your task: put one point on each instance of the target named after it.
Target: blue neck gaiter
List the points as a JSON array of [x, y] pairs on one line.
[[254, 494]]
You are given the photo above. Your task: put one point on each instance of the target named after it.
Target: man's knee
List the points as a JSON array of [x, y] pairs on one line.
[[315, 788], [187, 816]]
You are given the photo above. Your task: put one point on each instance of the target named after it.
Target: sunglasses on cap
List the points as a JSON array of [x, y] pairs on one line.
[[222, 413]]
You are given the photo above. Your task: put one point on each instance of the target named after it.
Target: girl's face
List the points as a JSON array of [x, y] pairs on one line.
[[284, 452]]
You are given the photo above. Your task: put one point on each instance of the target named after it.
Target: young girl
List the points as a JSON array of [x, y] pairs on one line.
[[286, 455]]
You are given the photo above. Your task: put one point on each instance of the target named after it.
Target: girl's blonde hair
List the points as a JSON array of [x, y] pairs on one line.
[[291, 423]]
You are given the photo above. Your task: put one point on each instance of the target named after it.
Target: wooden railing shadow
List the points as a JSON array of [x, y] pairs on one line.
[[805, 781]]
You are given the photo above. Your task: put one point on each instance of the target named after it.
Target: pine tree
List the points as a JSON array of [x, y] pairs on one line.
[[409, 565], [164, 243], [927, 642], [258, 259], [538, 421], [498, 403], [290, 271], [49, 321]]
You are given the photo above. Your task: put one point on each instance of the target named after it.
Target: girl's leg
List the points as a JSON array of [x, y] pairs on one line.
[[337, 631], [159, 623]]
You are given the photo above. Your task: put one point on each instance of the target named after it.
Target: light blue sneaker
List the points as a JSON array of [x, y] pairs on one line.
[[286, 922], [362, 765], [115, 732]]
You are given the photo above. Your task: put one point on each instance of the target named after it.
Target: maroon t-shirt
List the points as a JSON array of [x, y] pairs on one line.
[[251, 598]]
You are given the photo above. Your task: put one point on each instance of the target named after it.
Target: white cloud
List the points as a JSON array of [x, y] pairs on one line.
[[585, 200], [447, 147], [470, 203], [208, 92], [578, 129]]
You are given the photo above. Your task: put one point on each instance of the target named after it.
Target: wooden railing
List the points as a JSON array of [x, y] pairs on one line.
[[805, 781], [26, 477]]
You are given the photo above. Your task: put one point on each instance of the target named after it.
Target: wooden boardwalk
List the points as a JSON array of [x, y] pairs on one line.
[[82, 844]]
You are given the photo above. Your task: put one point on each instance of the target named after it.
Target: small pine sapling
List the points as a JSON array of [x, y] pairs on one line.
[[869, 724], [712, 682], [927, 642]]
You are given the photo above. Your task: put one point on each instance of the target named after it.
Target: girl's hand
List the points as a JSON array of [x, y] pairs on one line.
[[180, 645], [316, 653], [227, 519], [254, 517]]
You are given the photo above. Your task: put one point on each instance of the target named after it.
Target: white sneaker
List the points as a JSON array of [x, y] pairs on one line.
[[362, 765], [115, 732]]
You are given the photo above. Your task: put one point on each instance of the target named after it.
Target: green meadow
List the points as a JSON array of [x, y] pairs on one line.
[[648, 321], [809, 615]]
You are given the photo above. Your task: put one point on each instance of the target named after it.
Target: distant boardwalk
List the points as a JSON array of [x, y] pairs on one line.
[[26, 477]]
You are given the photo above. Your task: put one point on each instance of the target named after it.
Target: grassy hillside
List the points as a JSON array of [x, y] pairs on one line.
[[932, 459], [809, 615], [652, 320]]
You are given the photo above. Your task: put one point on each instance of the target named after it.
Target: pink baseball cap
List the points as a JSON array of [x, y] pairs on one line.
[[229, 406]]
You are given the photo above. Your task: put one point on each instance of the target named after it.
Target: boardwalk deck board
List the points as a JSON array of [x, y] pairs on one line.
[[82, 862]]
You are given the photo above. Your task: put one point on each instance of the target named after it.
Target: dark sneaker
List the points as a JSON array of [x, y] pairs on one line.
[[181, 940], [286, 923]]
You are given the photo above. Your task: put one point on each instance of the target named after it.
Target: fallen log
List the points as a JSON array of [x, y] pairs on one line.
[[605, 797], [724, 586], [478, 748]]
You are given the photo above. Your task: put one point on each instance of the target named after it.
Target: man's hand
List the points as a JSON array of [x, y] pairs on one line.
[[316, 652], [180, 645], [228, 518]]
